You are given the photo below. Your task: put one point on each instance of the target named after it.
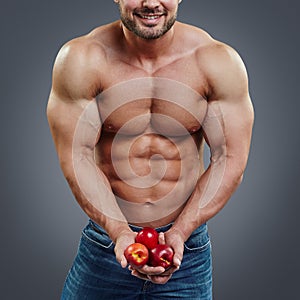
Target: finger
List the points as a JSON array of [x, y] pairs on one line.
[[177, 260], [123, 261], [147, 270], [139, 275], [161, 238], [120, 255], [170, 271], [151, 270], [178, 253]]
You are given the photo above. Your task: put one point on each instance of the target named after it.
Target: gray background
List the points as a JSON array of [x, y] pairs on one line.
[[256, 236]]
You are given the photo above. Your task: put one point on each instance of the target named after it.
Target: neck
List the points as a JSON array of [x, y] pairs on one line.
[[143, 49]]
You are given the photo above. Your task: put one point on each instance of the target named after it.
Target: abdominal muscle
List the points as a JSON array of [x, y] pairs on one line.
[[152, 176]]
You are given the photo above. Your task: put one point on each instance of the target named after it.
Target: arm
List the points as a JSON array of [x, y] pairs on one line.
[[227, 130], [76, 127]]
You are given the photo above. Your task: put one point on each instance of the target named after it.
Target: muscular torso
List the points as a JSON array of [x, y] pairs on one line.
[[151, 143]]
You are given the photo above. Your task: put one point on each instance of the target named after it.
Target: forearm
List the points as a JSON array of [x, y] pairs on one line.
[[227, 129], [214, 188], [92, 191], [75, 148]]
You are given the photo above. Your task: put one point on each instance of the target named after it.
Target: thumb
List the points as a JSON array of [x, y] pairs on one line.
[[123, 261], [177, 260], [178, 253], [161, 238], [120, 257]]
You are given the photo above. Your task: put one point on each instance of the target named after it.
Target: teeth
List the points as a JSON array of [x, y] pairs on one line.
[[150, 17]]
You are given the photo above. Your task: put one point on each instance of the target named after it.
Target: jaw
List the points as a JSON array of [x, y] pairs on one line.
[[146, 22], [148, 26]]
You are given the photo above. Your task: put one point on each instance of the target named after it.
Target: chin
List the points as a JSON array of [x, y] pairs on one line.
[[148, 31]]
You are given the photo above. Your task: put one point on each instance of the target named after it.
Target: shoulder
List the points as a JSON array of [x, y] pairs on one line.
[[206, 48], [223, 68], [226, 72], [220, 64], [217, 56], [80, 63]]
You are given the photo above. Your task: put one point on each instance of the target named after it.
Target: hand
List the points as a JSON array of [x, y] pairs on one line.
[[159, 275], [124, 239], [175, 239]]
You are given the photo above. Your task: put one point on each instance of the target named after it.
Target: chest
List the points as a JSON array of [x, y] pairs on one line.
[[167, 102]]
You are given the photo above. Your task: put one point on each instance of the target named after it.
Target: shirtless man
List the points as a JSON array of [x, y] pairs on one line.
[[131, 106]]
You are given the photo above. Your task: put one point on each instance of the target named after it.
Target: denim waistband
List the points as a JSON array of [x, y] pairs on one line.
[[158, 229]]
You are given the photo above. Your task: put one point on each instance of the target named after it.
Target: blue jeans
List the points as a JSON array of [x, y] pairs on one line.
[[96, 274]]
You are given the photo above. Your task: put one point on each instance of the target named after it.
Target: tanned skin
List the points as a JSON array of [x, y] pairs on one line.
[[89, 65]]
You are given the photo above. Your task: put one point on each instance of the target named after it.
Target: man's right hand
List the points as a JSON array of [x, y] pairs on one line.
[[124, 239]]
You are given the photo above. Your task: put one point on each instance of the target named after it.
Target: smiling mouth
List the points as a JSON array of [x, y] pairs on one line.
[[149, 16]]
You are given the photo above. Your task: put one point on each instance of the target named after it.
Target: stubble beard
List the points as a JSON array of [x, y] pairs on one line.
[[150, 32]]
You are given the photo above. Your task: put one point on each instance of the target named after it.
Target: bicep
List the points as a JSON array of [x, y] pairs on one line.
[[228, 129], [69, 99], [62, 117], [230, 113], [73, 124]]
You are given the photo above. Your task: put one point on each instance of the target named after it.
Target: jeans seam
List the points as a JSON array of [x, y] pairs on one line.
[[202, 248], [97, 243]]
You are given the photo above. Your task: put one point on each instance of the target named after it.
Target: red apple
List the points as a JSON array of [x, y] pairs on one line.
[[148, 237], [161, 256], [137, 254]]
